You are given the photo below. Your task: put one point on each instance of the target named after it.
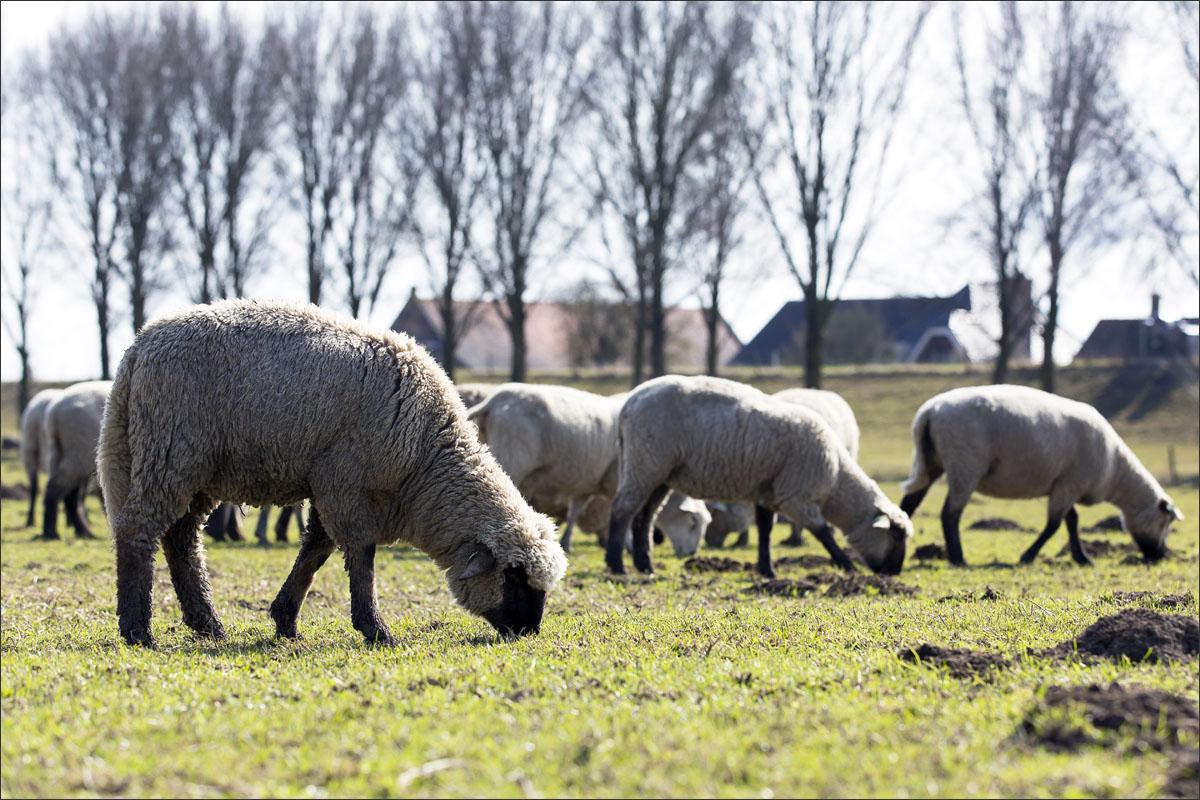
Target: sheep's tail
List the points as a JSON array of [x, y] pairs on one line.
[[478, 414], [925, 467], [114, 464]]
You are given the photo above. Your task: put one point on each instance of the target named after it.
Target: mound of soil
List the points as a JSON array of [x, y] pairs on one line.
[[808, 561], [849, 585], [17, 492], [930, 552], [1160, 600], [988, 593], [1138, 634], [1106, 525], [960, 663], [716, 564], [1157, 719], [1100, 547], [995, 524], [783, 587]]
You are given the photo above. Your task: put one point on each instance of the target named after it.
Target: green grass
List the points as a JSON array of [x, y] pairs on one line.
[[675, 686]]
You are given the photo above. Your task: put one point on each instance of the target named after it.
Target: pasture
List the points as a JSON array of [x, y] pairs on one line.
[[691, 683]]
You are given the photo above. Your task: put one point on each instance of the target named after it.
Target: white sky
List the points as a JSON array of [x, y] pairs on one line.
[[908, 254]]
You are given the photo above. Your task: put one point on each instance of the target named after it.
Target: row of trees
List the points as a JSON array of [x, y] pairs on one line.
[[492, 138]]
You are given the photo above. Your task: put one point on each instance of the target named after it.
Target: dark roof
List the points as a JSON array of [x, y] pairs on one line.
[[905, 319], [1134, 338]]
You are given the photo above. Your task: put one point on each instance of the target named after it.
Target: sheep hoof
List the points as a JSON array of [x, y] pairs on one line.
[[47, 537], [210, 629], [85, 535], [769, 572], [1027, 558], [1084, 562], [140, 636], [380, 639]]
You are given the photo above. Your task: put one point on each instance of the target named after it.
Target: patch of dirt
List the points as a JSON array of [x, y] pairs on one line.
[[995, 524], [15, 492], [849, 585], [783, 587], [1157, 719], [1100, 547], [1138, 634], [1158, 599], [988, 593], [10, 443], [716, 564], [1105, 525], [808, 561], [930, 552], [960, 663]]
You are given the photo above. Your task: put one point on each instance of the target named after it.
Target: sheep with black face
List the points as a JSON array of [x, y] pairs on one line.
[[270, 403]]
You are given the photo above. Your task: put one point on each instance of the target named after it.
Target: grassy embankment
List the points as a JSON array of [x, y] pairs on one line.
[[679, 685]]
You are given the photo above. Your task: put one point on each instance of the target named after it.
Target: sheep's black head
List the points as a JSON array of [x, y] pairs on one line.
[[1149, 527], [883, 542], [520, 610]]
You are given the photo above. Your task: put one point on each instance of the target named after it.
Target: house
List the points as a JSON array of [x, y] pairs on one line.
[[1147, 338], [554, 335]]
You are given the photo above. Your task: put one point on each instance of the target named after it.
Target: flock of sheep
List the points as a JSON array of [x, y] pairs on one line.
[[272, 404]]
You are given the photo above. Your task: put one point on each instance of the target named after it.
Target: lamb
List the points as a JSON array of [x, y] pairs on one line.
[[555, 441], [729, 518], [722, 440], [33, 452], [72, 429], [271, 403], [1020, 442]]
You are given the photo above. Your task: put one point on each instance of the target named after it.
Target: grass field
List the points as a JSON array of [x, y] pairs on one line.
[[680, 685]]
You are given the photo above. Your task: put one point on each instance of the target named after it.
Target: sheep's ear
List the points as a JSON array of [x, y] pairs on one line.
[[1167, 507], [691, 506], [882, 522], [479, 562]]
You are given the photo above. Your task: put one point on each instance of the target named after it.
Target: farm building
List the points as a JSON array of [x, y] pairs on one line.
[[562, 335], [961, 327], [1146, 338]]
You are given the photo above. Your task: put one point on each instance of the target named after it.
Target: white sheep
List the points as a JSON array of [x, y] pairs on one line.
[[722, 440], [1019, 442], [556, 442], [273, 403], [474, 393], [71, 432], [33, 450]]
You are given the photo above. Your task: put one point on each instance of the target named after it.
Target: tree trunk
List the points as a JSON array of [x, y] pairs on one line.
[[658, 330], [102, 322], [639, 338], [710, 351], [26, 379], [814, 344], [1006, 289], [1048, 332], [449, 334], [516, 331]]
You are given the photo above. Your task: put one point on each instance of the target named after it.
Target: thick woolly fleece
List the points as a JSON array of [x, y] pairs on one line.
[[33, 446], [271, 403], [1019, 442], [832, 408], [726, 441]]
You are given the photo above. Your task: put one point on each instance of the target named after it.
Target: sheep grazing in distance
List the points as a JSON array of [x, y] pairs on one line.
[[473, 394], [555, 441], [33, 450], [722, 440], [272, 403], [729, 518], [1019, 442], [834, 409], [72, 430]]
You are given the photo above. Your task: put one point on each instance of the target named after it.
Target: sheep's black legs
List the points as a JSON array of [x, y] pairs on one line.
[[913, 499], [1051, 527], [50, 510], [315, 549], [642, 522], [33, 493], [824, 535], [364, 611], [764, 519], [572, 512], [1077, 551], [796, 538], [189, 573], [72, 505], [950, 516], [136, 544]]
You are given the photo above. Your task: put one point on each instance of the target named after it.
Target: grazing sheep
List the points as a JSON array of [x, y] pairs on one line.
[[729, 518], [722, 440], [1020, 442], [555, 441], [272, 403], [286, 515], [473, 394], [683, 522], [33, 450], [225, 522], [72, 429]]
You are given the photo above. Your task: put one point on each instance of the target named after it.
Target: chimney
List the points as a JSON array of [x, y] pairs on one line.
[[1154, 298]]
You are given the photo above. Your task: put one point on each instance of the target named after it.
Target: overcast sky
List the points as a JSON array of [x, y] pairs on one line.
[[908, 254]]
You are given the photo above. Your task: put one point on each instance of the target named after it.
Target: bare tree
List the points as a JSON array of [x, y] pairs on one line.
[[532, 80], [79, 78], [228, 88], [833, 85], [994, 107], [29, 191], [1077, 105], [672, 67], [438, 131]]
